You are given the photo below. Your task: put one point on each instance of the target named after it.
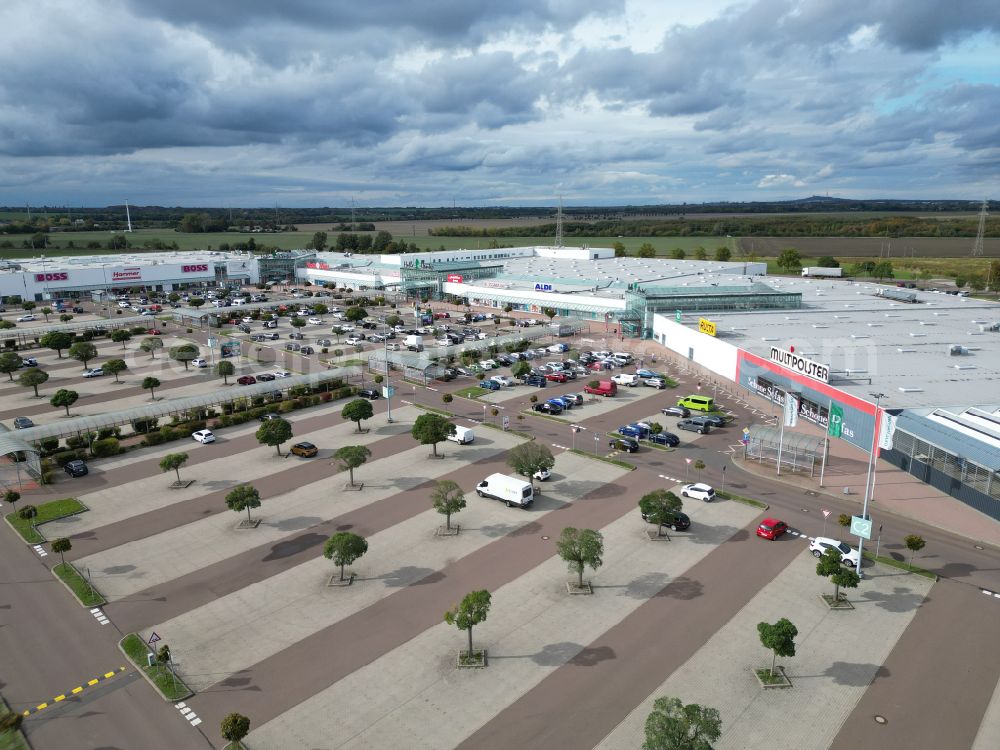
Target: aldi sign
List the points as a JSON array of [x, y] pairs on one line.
[[544, 288]]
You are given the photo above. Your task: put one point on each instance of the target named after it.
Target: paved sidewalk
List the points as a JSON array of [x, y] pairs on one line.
[[238, 630], [988, 737], [837, 655], [407, 697]]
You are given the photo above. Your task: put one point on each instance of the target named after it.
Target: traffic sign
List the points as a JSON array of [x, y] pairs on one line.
[[677, 316], [388, 391], [506, 423], [825, 512], [861, 527], [153, 638]]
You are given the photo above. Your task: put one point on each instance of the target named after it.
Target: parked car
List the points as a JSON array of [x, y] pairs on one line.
[[354, 340], [821, 544], [576, 398], [709, 419], [556, 377], [625, 379], [631, 430], [655, 382], [154, 331], [627, 444], [642, 372], [199, 362], [691, 426], [503, 380], [698, 491], [295, 335], [536, 381], [265, 377], [547, 407], [565, 403], [679, 522], [22, 423], [490, 385], [307, 350], [676, 411], [203, 436], [292, 346], [76, 468], [369, 393], [94, 372], [664, 438], [542, 474], [246, 380], [282, 374], [29, 362], [771, 528], [315, 321], [304, 449]]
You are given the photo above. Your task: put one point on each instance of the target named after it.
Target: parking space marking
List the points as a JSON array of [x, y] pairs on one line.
[[74, 691], [100, 616], [994, 594], [188, 714], [40, 550]]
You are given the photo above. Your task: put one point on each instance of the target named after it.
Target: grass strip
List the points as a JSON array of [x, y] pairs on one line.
[[901, 565], [532, 413], [12, 739], [605, 459], [643, 441], [171, 688], [741, 499], [472, 391], [519, 433], [50, 511], [80, 586], [435, 409]]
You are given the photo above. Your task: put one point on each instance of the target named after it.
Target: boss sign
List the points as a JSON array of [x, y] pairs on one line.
[[199, 268], [63, 276]]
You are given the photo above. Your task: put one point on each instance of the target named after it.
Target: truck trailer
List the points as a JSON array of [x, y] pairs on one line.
[[820, 271]]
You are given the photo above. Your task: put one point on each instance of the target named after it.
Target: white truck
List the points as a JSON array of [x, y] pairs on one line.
[[821, 272], [510, 490], [414, 343], [462, 435]]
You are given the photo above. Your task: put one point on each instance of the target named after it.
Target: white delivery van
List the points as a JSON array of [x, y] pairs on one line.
[[462, 435], [510, 490]]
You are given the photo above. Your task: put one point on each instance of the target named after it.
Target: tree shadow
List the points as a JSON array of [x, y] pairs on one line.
[[645, 586], [293, 546], [493, 531], [410, 576], [854, 675], [590, 657], [556, 654], [712, 535], [117, 570], [901, 599], [296, 523], [682, 588]]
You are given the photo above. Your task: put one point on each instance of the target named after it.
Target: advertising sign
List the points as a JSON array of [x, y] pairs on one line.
[[791, 410], [706, 326], [544, 288], [454, 278], [808, 367], [836, 422], [196, 268], [58, 276], [132, 273], [887, 429]]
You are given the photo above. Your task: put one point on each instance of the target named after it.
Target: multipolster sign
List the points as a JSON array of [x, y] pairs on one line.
[[807, 367]]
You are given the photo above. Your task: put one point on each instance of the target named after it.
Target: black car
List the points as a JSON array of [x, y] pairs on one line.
[[297, 336], [265, 376], [625, 444], [548, 408], [78, 310], [245, 328], [538, 381], [22, 423], [665, 438], [691, 426], [679, 522], [307, 350], [76, 468], [369, 393], [710, 419], [370, 326], [676, 411]]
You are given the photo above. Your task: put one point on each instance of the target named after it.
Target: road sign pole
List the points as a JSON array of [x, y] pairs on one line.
[[878, 541]]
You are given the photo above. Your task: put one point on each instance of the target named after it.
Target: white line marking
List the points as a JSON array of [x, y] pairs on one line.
[[196, 722]]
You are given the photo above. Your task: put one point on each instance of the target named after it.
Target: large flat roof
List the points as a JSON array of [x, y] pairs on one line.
[[904, 349], [38, 264]]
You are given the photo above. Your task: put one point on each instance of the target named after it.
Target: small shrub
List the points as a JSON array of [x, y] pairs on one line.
[[326, 397], [105, 448], [108, 432], [64, 457], [75, 441], [49, 445]]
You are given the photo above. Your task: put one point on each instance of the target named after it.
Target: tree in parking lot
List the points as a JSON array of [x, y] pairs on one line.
[[83, 351], [447, 498], [471, 611], [173, 462], [549, 312], [356, 410], [32, 378], [673, 726], [274, 432], [520, 369], [344, 548], [195, 302], [298, 322], [121, 336], [579, 548], [393, 320], [354, 314], [28, 513], [337, 331], [660, 507], [243, 498], [62, 546], [64, 398], [57, 340], [235, 727], [65, 317], [46, 311], [431, 429], [115, 366], [150, 384], [28, 306], [829, 566], [225, 368], [184, 353], [914, 543], [779, 637], [351, 457], [12, 496], [528, 458], [10, 362], [151, 344]]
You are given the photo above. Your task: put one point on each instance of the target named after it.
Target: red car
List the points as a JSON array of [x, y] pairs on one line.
[[154, 331], [558, 377], [771, 528], [246, 380]]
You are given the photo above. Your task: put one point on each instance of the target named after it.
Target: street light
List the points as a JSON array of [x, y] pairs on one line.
[[871, 470]]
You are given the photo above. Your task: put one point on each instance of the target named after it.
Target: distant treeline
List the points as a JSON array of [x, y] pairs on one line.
[[798, 226]]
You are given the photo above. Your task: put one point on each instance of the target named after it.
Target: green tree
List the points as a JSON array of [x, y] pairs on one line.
[[344, 548], [151, 344], [64, 398], [318, 242], [12, 496], [298, 322], [115, 366], [829, 566], [274, 432], [6, 324], [28, 513], [174, 462], [195, 302], [356, 410], [660, 507], [83, 351], [779, 637], [431, 429], [619, 249], [354, 314], [827, 261], [121, 336], [646, 250], [914, 543], [393, 320], [150, 384], [471, 611], [320, 309], [32, 378], [883, 270], [225, 368], [28, 306], [10, 362], [789, 260], [723, 254], [65, 318], [184, 353], [579, 548], [700, 253], [243, 498], [673, 726], [46, 311], [549, 312], [62, 546], [235, 727], [678, 253], [447, 498], [844, 520], [351, 457], [527, 458], [57, 340]]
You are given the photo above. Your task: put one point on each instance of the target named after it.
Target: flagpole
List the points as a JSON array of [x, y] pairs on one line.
[[781, 435], [826, 444]]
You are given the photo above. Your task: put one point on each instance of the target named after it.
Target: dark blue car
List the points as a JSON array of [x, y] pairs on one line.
[[665, 438]]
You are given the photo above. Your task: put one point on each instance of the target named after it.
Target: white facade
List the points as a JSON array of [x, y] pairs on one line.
[[712, 353]]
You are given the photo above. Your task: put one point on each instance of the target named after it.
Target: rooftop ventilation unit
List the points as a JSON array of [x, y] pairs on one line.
[[964, 367], [991, 327], [903, 350], [903, 389], [956, 350]]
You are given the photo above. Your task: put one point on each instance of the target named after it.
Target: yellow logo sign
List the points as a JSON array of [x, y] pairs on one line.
[[706, 326]]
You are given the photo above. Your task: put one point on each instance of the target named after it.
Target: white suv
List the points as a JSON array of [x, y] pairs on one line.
[[698, 492], [821, 544], [625, 379]]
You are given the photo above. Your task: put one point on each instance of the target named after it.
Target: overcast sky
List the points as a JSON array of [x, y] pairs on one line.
[[494, 102]]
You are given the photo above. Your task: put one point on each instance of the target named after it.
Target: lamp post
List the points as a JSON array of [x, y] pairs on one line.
[[388, 388], [597, 439], [687, 468], [871, 470]]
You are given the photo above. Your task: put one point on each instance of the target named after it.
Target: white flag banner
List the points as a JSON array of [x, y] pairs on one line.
[[887, 428], [791, 410]]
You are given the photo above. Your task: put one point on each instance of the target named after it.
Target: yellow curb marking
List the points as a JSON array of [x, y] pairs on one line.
[[74, 691]]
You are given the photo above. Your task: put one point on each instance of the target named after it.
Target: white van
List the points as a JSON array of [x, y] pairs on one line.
[[462, 435], [624, 357], [510, 490], [238, 301]]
